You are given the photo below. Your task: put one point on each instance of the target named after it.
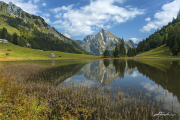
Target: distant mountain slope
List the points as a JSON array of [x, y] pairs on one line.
[[35, 31], [97, 44]]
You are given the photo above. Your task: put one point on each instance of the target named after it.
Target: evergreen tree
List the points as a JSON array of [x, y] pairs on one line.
[[106, 53], [122, 49], [115, 52], [3, 33], [134, 53], [174, 49], [129, 53], [15, 39], [159, 42]]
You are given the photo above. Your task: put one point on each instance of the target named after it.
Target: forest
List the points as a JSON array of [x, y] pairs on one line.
[[169, 35]]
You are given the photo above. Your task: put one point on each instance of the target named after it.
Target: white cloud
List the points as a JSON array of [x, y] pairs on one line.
[[46, 14], [148, 19], [44, 4], [163, 17], [29, 6], [135, 40], [36, 1], [98, 14]]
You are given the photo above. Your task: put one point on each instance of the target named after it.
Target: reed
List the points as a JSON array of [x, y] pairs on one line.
[[39, 100]]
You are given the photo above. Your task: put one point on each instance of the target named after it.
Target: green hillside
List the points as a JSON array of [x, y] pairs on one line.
[[35, 31], [17, 52], [160, 52], [168, 34]]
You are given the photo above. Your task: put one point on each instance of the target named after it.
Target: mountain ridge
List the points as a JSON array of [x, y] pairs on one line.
[[98, 43]]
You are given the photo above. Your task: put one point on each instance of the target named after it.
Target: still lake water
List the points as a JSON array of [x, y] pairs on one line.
[[157, 79]]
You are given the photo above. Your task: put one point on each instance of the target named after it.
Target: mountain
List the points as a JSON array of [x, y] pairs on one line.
[[96, 44], [35, 31]]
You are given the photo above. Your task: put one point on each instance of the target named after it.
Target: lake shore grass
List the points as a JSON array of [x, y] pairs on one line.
[[36, 100], [11, 52]]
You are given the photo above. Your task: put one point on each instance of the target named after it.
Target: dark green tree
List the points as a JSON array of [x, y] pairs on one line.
[[115, 52], [3, 33], [106, 53], [129, 53], [174, 49], [122, 50], [159, 41], [15, 39]]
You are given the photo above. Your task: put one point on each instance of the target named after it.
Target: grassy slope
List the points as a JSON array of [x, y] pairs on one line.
[[18, 52], [10, 29], [160, 52]]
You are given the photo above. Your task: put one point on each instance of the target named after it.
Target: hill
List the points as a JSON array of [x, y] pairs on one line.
[[168, 34], [160, 52], [34, 31], [23, 53], [103, 40]]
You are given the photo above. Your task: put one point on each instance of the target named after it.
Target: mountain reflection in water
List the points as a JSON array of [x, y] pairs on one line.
[[157, 78]]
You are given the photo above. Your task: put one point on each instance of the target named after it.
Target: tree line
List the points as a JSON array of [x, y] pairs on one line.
[[120, 50]]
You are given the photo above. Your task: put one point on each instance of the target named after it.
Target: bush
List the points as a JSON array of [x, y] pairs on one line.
[[112, 56], [7, 53]]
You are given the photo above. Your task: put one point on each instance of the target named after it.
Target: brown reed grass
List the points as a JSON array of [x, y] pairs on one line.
[[39, 100]]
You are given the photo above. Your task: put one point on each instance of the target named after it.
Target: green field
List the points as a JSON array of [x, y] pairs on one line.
[[18, 53], [160, 52]]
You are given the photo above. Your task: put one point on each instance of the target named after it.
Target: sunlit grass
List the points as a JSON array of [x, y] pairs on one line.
[[159, 52], [10, 29], [23, 53]]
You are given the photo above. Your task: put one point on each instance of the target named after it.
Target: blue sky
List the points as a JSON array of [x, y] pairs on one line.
[[130, 19]]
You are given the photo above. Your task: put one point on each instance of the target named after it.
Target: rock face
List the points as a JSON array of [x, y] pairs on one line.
[[98, 43], [66, 35], [14, 10]]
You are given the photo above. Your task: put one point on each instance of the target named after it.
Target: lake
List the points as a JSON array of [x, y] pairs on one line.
[[156, 79]]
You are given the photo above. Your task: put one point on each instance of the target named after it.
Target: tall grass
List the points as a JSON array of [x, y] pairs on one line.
[[38, 100]]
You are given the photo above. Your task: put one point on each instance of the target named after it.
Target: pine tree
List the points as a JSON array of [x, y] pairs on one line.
[[15, 39], [159, 42], [115, 52], [3, 33], [122, 50], [106, 53], [174, 49]]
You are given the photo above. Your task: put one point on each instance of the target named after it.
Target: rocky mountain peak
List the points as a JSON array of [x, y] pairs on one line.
[[14, 10]]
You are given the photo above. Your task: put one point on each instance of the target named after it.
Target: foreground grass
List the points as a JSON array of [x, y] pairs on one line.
[[45, 101], [22, 53]]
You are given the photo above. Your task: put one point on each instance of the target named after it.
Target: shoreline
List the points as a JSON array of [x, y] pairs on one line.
[[17, 59]]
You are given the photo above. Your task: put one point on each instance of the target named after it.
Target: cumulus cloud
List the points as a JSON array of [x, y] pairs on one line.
[[44, 4], [135, 40], [29, 6], [148, 19], [98, 14], [163, 17]]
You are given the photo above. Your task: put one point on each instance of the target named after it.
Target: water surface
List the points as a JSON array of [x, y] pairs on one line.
[[157, 79]]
